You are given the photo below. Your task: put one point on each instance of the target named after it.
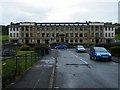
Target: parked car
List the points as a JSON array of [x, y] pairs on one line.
[[80, 48], [61, 47], [99, 53]]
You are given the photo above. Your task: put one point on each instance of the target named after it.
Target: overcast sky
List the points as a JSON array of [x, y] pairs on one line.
[[58, 11]]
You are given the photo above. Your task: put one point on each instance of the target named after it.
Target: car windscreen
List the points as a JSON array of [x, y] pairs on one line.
[[101, 50]]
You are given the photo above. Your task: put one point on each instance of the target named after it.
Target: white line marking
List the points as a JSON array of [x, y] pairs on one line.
[[78, 57], [84, 61]]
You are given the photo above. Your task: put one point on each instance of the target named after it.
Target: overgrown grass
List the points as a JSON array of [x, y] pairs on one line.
[[117, 37], [4, 37]]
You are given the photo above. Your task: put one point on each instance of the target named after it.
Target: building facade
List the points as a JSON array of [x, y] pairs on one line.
[[61, 32]]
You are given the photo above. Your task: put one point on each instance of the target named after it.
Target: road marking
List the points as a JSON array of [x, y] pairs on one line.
[[84, 61], [80, 59]]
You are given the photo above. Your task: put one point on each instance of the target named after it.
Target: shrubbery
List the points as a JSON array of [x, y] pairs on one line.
[[8, 52], [25, 48], [42, 48], [115, 50]]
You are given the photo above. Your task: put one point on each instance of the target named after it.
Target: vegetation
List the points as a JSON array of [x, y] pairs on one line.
[[42, 48], [117, 37], [12, 69], [115, 51], [4, 30], [8, 52], [25, 48], [4, 37]]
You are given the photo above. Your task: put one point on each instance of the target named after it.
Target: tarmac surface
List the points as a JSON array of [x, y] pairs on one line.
[[39, 76]]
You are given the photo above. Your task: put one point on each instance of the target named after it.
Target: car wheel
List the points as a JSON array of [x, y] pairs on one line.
[[95, 58], [90, 57]]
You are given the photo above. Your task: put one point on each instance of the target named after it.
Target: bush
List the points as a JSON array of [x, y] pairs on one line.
[[42, 48], [25, 48], [115, 50], [8, 52]]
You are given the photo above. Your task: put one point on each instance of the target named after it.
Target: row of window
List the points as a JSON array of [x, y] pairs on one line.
[[109, 34], [66, 35], [14, 34], [67, 41]]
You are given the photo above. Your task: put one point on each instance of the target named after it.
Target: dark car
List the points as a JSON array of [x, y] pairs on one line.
[[80, 48], [61, 47], [99, 53]]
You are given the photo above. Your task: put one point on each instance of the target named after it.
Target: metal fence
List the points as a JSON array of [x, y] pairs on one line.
[[17, 65]]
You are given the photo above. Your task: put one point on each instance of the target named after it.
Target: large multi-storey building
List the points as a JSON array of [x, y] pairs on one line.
[[61, 32]]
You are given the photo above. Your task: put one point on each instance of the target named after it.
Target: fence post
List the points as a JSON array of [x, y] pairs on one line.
[[16, 64], [25, 61], [31, 59]]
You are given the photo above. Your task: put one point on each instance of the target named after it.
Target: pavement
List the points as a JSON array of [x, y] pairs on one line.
[[39, 76]]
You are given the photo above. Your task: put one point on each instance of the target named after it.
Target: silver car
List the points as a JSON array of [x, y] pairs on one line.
[[80, 48]]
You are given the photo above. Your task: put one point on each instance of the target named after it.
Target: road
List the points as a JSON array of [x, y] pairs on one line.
[[76, 70]]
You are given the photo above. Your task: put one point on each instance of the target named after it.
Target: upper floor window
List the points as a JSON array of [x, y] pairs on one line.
[[109, 34], [27, 35], [71, 34], [22, 28], [66, 34], [76, 34], [105, 34], [85, 34], [47, 34], [43, 34], [81, 35], [27, 28]]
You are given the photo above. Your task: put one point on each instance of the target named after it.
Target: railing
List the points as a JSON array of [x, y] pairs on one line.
[[17, 65]]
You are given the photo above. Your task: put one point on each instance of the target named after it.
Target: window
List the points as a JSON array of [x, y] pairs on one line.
[[92, 28], [57, 34], [43, 34], [101, 34], [22, 28], [66, 41], [71, 34], [97, 35], [101, 28], [106, 28], [105, 34], [76, 34], [81, 35], [27, 35], [66, 34], [80, 28], [47, 34], [92, 34], [81, 40], [10, 34], [76, 40], [17, 35], [109, 34], [13, 34], [53, 35], [112, 35], [71, 41], [13, 29], [57, 40], [27, 29], [85, 34], [31, 35], [22, 34]]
